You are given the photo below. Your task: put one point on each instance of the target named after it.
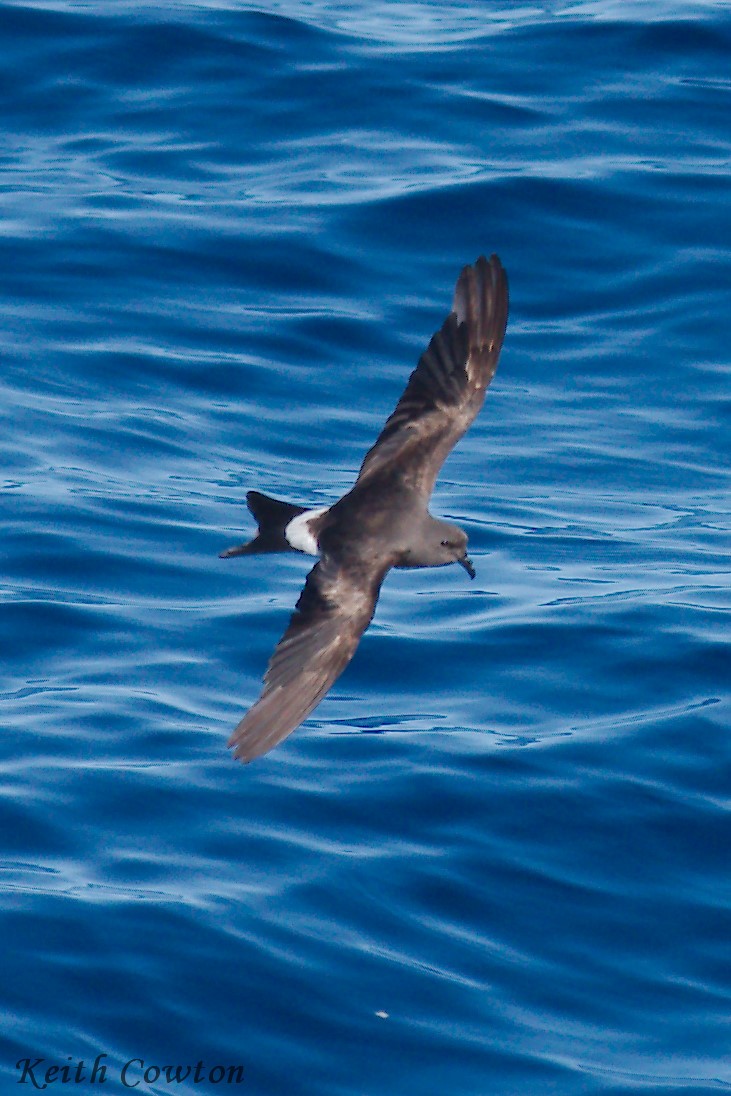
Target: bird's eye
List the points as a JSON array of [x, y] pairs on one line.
[[447, 544]]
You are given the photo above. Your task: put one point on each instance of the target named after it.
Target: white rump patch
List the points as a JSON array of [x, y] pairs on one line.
[[298, 532]]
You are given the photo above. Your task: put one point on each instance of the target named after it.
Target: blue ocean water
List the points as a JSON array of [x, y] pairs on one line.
[[495, 860]]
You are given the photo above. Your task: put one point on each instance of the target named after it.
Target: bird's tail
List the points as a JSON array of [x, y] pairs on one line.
[[272, 517]]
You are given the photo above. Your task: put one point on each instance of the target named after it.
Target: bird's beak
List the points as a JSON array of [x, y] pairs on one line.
[[466, 562]]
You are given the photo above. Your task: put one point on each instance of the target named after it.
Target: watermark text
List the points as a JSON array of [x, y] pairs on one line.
[[136, 1073]]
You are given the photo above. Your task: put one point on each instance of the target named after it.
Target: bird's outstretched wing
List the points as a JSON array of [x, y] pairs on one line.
[[447, 388], [334, 609]]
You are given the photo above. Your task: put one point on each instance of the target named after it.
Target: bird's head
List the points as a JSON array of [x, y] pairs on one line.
[[452, 547]]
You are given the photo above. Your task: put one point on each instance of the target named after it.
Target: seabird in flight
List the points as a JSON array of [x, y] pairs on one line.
[[383, 521]]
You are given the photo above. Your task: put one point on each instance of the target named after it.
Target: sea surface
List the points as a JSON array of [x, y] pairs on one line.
[[495, 860]]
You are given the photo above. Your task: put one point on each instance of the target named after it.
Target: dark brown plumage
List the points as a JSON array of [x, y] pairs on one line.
[[383, 521]]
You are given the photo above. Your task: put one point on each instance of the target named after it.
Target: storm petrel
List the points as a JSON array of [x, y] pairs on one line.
[[383, 521]]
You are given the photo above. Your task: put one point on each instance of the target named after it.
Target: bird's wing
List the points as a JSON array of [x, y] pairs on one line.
[[334, 609], [447, 388]]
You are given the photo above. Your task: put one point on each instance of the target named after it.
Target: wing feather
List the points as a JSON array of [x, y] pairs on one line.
[[447, 388], [334, 609]]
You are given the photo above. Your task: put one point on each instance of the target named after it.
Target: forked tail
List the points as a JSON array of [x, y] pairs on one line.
[[272, 517]]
